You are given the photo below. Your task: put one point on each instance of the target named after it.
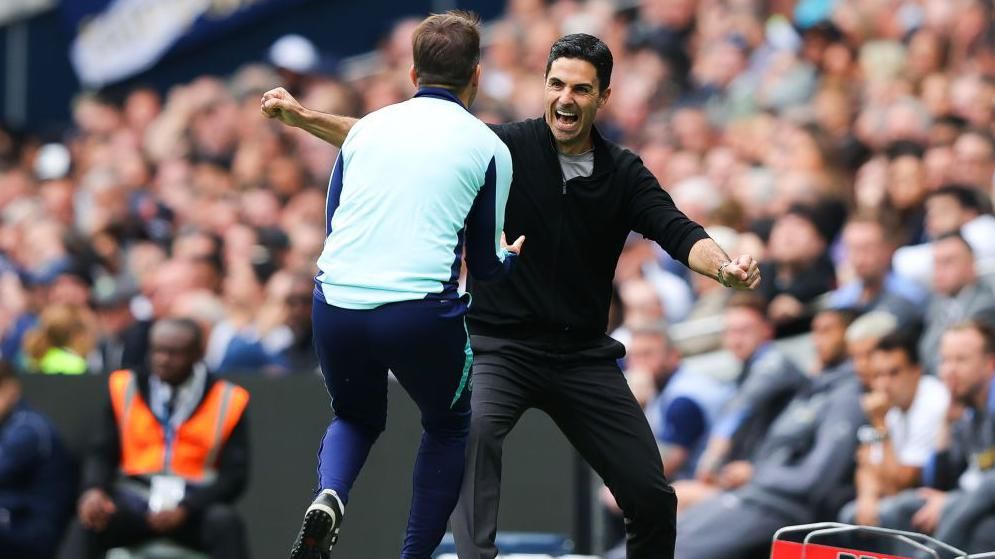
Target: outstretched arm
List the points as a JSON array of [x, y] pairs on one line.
[[708, 259], [653, 213], [281, 105]]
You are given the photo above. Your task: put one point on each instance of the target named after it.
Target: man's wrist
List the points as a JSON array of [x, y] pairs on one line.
[[869, 434], [721, 273]]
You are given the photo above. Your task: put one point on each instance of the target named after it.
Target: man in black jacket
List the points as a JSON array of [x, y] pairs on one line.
[[170, 455], [538, 335]]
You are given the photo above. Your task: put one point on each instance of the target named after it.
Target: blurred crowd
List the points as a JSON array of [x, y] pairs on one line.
[[847, 144]]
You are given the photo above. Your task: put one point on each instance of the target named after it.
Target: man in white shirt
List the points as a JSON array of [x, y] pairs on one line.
[[905, 409], [948, 209]]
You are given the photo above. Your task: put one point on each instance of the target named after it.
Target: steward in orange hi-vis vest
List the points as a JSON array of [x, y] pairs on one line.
[[170, 455], [190, 452]]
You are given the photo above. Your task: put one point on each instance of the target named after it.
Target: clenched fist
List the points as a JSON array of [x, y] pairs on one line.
[[278, 103], [742, 273]]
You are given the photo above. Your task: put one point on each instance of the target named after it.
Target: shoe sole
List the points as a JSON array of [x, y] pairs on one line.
[[319, 525]]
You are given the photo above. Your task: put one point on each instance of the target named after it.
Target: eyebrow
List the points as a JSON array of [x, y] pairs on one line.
[[575, 86]]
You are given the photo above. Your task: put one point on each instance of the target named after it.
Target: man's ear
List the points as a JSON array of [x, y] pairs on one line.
[[604, 97], [413, 75]]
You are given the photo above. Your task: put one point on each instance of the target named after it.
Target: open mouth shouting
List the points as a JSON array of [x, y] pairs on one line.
[[567, 120]]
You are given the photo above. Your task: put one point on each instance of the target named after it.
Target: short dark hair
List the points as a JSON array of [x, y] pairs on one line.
[[188, 324], [900, 340], [956, 235], [584, 47], [958, 122], [846, 314], [902, 148], [966, 196], [446, 49]]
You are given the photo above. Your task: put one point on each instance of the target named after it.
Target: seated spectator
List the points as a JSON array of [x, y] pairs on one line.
[[36, 477], [252, 338], [949, 209], [974, 159], [642, 259], [862, 338], [60, 342], [800, 471], [955, 506], [687, 405], [798, 270], [905, 410], [767, 382], [123, 340], [958, 295], [297, 297], [905, 190], [641, 306], [875, 287], [131, 493], [829, 329]]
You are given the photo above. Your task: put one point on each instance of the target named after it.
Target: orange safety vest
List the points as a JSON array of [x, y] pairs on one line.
[[193, 452]]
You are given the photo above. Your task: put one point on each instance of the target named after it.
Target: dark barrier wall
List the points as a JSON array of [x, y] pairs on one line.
[[288, 417]]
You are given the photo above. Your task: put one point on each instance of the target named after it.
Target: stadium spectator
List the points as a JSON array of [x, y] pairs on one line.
[[132, 494], [874, 286], [688, 402], [800, 472], [884, 105], [767, 382], [955, 502], [958, 295], [950, 209], [829, 328], [906, 190], [60, 342], [862, 337], [798, 269], [123, 339], [974, 159], [905, 410], [37, 480]]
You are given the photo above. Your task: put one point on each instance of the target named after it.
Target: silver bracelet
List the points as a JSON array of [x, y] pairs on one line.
[[722, 273]]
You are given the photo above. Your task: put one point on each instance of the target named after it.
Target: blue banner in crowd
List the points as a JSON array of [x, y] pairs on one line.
[[116, 39]]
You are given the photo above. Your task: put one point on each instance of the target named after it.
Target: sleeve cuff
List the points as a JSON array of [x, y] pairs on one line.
[[692, 238]]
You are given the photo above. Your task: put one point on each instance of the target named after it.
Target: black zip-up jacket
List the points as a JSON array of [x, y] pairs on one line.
[[100, 468], [575, 231]]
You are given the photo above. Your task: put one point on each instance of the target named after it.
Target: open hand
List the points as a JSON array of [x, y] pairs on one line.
[[95, 509], [516, 247], [928, 517], [735, 474]]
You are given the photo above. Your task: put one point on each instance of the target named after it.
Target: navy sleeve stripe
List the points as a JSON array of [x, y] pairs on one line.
[[334, 192], [481, 256]]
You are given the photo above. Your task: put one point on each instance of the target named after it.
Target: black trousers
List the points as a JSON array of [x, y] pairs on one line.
[[217, 531], [583, 391]]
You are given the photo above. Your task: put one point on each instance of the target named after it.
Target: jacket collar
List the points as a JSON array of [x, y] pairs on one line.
[[603, 162], [439, 93], [143, 376]]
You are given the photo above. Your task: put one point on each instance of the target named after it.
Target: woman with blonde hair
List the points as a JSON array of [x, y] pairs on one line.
[[60, 342]]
